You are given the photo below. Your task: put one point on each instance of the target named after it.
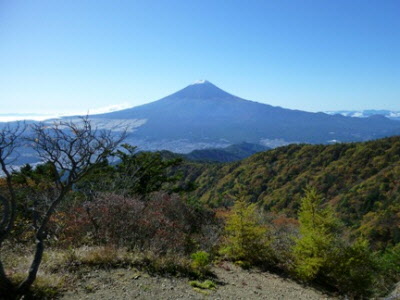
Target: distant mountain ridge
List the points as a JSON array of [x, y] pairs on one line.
[[228, 154], [204, 116]]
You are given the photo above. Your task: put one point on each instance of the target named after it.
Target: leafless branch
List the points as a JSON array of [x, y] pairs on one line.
[[10, 140]]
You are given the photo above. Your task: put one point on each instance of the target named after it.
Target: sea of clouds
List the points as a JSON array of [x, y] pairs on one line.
[[9, 117]]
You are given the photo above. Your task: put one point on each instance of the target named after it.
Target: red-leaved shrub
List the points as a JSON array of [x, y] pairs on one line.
[[160, 223]]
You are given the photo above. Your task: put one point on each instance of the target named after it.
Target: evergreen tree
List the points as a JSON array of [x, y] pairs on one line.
[[245, 239], [318, 235]]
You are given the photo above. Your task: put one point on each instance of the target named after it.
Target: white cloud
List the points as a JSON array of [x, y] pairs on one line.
[[394, 114], [17, 117], [110, 108], [358, 114], [40, 117]]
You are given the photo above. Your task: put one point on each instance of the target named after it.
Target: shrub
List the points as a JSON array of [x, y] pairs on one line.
[[283, 232], [389, 268], [71, 228], [161, 223], [321, 254], [352, 269], [201, 262], [100, 256], [166, 265], [206, 284]]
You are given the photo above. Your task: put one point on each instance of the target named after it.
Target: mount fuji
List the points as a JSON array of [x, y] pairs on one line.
[[202, 116]]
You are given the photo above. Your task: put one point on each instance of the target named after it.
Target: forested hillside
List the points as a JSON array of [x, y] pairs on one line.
[[360, 180]]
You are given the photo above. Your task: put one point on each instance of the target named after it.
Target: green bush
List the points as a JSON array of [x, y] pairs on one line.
[[390, 260], [322, 254], [352, 269], [206, 285], [201, 262], [389, 268]]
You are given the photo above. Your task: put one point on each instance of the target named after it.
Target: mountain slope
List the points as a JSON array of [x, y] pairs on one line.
[[204, 113], [361, 181]]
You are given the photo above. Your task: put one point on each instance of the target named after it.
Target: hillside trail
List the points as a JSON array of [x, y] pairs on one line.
[[232, 283]]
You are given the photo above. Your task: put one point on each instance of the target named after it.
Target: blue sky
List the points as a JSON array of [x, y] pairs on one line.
[[73, 56]]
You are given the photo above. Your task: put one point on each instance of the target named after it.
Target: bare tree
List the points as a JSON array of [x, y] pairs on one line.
[[73, 149], [10, 138]]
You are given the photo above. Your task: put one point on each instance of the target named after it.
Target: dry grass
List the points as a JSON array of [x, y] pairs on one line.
[[48, 283], [46, 286], [62, 269], [110, 257]]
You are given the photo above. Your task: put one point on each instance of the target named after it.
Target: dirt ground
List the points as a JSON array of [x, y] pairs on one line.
[[395, 294], [232, 283]]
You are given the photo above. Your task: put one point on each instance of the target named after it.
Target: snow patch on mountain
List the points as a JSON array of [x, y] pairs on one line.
[[201, 81]]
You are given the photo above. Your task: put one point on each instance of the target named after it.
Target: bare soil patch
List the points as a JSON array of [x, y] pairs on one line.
[[232, 283]]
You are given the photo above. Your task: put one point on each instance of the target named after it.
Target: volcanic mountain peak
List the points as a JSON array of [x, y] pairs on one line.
[[201, 89], [204, 113], [201, 81]]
